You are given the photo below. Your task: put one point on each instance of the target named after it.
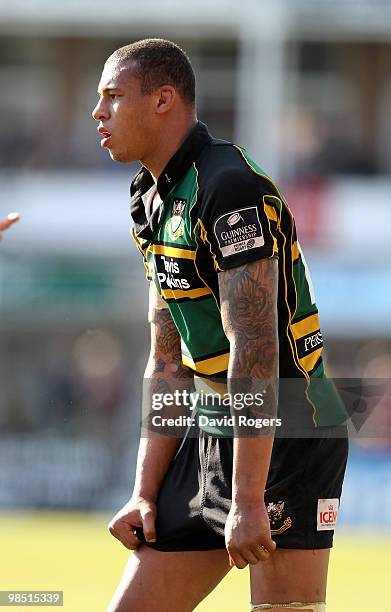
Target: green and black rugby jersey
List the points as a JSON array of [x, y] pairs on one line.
[[220, 210]]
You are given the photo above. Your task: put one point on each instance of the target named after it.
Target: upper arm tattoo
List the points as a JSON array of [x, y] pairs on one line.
[[248, 297]]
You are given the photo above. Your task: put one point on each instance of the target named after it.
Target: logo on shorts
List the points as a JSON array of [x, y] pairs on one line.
[[275, 511], [175, 225], [327, 514], [238, 231]]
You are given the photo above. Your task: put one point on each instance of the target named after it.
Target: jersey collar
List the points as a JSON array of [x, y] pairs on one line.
[[179, 163]]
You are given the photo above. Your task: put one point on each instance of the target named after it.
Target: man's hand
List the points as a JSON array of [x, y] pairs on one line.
[[136, 513], [7, 222], [247, 534]]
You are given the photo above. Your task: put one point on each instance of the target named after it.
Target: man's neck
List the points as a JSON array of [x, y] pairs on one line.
[[170, 140]]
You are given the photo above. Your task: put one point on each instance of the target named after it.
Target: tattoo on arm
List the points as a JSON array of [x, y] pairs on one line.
[[248, 297], [165, 374], [166, 355]]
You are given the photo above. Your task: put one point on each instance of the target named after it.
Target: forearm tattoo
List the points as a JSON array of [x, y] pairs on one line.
[[165, 374], [166, 356]]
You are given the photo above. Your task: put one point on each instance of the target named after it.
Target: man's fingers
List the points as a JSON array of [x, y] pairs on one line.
[[260, 552], [241, 556], [10, 219], [269, 544], [249, 555], [237, 559], [263, 551], [148, 518], [125, 534]]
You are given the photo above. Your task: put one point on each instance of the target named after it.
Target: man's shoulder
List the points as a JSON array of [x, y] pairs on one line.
[[227, 166]]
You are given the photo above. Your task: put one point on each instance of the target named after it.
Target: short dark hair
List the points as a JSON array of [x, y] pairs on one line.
[[159, 62]]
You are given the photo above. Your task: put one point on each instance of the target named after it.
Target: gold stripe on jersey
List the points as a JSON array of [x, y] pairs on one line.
[[271, 212], [148, 269], [295, 251], [169, 251], [204, 238], [308, 362], [191, 294], [288, 329], [306, 326], [210, 365]]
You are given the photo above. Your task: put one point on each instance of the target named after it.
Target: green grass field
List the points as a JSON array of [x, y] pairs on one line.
[[74, 553]]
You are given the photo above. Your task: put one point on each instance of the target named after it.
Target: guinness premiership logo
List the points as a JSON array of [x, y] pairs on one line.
[[175, 225], [238, 231], [234, 219]]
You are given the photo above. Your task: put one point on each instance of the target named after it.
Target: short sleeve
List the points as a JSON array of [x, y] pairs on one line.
[[239, 218]]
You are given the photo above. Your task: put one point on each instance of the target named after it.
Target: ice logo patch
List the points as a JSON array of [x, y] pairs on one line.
[[238, 231], [327, 514]]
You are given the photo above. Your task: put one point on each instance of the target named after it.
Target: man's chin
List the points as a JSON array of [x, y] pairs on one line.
[[118, 157]]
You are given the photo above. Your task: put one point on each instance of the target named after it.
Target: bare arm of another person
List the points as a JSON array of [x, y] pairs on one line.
[[7, 222], [248, 296], [155, 452]]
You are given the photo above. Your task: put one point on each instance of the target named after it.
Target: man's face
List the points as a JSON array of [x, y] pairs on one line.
[[127, 121]]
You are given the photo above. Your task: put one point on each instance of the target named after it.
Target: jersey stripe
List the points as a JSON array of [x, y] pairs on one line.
[[295, 251], [305, 326], [271, 212], [169, 251], [211, 365], [175, 294], [309, 361]]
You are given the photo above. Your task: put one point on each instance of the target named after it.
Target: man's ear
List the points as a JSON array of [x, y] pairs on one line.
[[166, 98]]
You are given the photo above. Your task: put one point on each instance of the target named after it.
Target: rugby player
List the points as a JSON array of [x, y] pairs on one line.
[[230, 295], [7, 222]]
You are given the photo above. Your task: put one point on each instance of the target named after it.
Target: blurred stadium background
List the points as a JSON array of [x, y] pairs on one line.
[[305, 85]]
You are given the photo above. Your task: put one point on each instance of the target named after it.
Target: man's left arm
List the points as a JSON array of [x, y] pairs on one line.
[[248, 297]]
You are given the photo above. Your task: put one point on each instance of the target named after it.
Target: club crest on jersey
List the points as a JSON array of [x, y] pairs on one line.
[[175, 225], [275, 511]]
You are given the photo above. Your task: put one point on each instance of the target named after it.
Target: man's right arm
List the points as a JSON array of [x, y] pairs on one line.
[[155, 452]]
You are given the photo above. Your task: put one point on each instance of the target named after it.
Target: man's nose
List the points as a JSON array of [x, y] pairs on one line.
[[100, 111]]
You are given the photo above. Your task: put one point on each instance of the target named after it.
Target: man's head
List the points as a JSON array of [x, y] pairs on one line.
[[143, 86]]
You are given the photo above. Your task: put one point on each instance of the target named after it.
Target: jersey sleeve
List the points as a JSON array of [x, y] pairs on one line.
[[239, 218]]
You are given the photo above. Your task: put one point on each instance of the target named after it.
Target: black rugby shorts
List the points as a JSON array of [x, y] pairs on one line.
[[302, 493]]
